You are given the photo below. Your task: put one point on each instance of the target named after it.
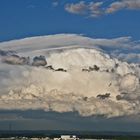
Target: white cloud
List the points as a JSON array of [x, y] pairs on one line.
[[78, 8], [123, 4], [96, 9], [116, 6], [91, 9], [27, 87]]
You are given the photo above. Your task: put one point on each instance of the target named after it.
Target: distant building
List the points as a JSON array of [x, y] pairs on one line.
[[67, 137]]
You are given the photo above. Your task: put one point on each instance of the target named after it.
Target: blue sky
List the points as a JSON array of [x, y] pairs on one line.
[[24, 18]]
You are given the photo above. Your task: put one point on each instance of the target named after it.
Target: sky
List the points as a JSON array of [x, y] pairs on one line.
[[109, 26], [26, 18]]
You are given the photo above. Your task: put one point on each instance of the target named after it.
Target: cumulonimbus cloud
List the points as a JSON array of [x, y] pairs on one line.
[[84, 78]]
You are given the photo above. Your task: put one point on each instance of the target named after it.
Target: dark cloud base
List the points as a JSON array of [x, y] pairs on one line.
[[41, 120]]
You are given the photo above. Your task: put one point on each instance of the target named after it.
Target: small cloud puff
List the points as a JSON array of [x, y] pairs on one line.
[[96, 9], [39, 61], [15, 60], [91, 9]]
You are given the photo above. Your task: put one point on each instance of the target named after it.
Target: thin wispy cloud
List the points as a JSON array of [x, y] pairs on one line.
[[92, 9], [78, 8], [96, 9], [55, 4], [124, 4]]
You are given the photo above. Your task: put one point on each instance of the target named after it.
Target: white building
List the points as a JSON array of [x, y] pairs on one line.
[[67, 137]]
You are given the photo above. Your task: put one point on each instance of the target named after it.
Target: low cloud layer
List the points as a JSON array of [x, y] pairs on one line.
[[96, 9], [69, 73]]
